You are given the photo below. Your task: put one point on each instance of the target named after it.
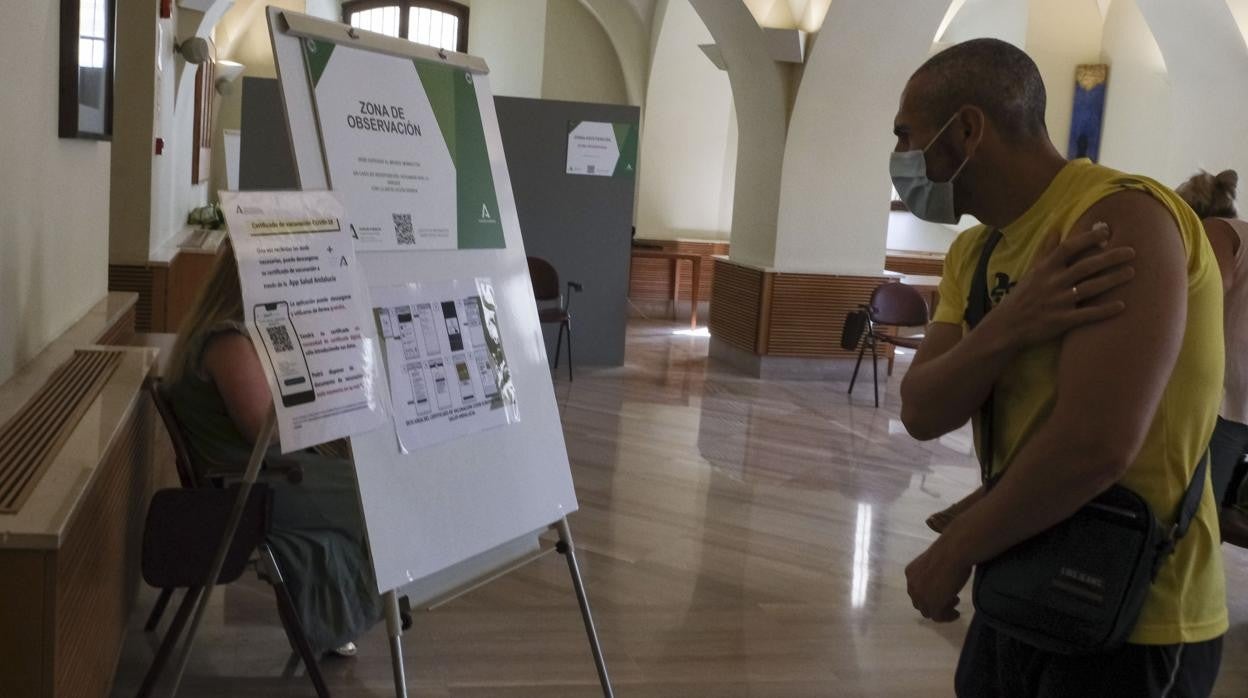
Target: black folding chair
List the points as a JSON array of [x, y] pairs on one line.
[[893, 305], [546, 288], [183, 529]]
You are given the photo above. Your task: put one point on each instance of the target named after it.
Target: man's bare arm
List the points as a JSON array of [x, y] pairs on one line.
[[952, 374], [950, 377], [1111, 377]]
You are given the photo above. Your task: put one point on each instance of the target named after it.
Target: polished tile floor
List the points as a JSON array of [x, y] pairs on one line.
[[739, 538]]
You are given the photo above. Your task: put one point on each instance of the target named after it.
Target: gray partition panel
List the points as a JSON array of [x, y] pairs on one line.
[[580, 224], [265, 160]]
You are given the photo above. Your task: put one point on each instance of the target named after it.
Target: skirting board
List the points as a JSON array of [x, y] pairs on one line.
[[792, 368]]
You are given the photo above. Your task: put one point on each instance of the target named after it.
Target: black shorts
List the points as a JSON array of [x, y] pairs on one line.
[[994, 665]]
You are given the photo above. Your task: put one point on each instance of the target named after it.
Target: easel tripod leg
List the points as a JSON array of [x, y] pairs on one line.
[[218, 560], [394, 629], [568, 550]]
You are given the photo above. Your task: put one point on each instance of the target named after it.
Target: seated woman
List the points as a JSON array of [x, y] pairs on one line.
[[1213, 199], [217, 388]]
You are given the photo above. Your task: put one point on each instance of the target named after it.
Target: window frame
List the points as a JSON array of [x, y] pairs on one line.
[[350, 7], [68, 125]]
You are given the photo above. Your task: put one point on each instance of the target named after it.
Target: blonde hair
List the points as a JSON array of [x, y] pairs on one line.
[[219, 300], [1211, 196]]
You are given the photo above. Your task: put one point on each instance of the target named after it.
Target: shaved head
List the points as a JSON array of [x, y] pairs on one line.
[[987, 73]]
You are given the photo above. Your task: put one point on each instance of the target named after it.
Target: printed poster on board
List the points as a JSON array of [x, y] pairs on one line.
[[448, 372], [306, 314], [404, 149]]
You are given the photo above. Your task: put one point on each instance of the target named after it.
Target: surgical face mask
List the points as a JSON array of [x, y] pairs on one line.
[[931, 201]]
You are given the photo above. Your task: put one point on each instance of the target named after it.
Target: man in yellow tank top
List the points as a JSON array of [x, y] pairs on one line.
[[1103, 353]]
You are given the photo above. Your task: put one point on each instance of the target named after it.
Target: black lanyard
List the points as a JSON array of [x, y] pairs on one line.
[[977, 306]]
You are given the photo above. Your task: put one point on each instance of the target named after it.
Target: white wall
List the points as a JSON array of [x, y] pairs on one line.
[[629, 31], [176, 153], [1207, 63], [130, 206], [580, 62], [1061, 35], [728, 183], [835, 186], [173, 193], [330, 9], [683, 157], [998, 19], [762, 94], [511, 36], [1239, 10], [908, 233], [53, 196], [1137, 131], [242, 35], [806, 15]]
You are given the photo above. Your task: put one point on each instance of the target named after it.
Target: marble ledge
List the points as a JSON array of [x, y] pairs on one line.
[[51, 505], [920, 254], [186, 241], [46, 515], [881, 274], [89, 329]]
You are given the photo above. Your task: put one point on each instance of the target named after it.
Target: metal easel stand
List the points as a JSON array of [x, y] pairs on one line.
[[227, 540], [394, 628], [566, 548]]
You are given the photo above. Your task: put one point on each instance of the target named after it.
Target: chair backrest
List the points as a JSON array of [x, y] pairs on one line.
[[897, 304], [851, 331], [184, 527], [181, 452], [545, 279]]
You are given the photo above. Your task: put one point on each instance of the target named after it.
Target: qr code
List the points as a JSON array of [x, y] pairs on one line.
[[280, 338], [403, 231], [589, 169]]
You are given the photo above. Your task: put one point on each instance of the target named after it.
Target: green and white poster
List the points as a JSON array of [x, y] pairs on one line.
[[404, 149], [602, 149]]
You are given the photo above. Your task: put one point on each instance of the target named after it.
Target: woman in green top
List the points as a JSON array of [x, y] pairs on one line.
[[218, 390]]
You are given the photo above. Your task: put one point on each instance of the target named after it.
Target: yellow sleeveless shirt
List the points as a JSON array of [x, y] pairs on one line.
[[1187, 602]]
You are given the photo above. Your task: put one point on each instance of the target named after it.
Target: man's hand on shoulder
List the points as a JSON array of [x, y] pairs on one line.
[[1063, 289], [951, 374]]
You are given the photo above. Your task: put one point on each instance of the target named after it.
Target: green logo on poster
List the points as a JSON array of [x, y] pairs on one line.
[[485, 212]]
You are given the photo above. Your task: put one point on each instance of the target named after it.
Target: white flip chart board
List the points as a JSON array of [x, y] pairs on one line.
[[446, 505]]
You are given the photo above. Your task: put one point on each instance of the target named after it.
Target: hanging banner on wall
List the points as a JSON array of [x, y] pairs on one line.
[[404, 149], [1087, 115], [602, 149], [307, 317], [448, 373]]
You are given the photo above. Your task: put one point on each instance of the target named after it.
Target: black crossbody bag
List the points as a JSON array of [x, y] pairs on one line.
[[1078, 587]]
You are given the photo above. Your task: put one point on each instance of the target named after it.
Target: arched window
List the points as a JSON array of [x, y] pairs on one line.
[[437, 23]]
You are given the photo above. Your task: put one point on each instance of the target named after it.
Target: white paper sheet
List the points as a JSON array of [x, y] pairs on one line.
[[447, 370], [306, 314]]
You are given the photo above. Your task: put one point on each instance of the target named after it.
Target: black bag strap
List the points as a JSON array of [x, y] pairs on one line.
[[977, 306], [1190, 503]]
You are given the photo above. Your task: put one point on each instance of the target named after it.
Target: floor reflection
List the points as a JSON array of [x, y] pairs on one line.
[[739, 537]]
